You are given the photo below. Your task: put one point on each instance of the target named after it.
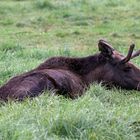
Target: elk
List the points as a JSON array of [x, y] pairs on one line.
[[71, 76]]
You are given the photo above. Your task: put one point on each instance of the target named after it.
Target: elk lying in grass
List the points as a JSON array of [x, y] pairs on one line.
[[71, 76]]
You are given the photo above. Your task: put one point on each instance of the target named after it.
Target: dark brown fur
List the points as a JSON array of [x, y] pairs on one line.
[[71, 76]]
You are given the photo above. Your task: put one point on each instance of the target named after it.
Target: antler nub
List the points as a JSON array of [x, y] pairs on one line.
[[135, 54]]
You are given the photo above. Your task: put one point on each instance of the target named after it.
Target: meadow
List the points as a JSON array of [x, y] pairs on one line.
[[32, 31]]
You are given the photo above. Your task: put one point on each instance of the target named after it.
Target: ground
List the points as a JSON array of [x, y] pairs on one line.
[[32, 31]]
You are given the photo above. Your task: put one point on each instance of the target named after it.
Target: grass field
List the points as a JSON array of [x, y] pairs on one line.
[[34, 30]]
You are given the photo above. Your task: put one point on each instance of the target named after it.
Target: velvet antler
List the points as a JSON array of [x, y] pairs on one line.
[[129, 55]]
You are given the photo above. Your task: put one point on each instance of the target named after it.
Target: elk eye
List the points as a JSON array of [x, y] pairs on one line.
[[127, 69]]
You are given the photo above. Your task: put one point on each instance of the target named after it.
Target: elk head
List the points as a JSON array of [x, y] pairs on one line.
[[115, 69]]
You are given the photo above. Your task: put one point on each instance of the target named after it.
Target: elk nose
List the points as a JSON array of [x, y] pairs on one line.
[[138, 86]]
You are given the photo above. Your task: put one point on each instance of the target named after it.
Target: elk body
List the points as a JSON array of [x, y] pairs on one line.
[[71, 76]]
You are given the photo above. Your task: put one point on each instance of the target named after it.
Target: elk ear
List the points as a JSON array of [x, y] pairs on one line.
[[105, 48]]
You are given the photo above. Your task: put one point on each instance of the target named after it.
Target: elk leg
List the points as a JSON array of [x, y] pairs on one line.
[[25, 86]]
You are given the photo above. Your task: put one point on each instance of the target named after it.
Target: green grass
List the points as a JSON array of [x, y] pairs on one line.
[[34, 30]]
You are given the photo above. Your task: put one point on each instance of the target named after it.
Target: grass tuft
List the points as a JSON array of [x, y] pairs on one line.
[[10, 47], [41, 4]]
